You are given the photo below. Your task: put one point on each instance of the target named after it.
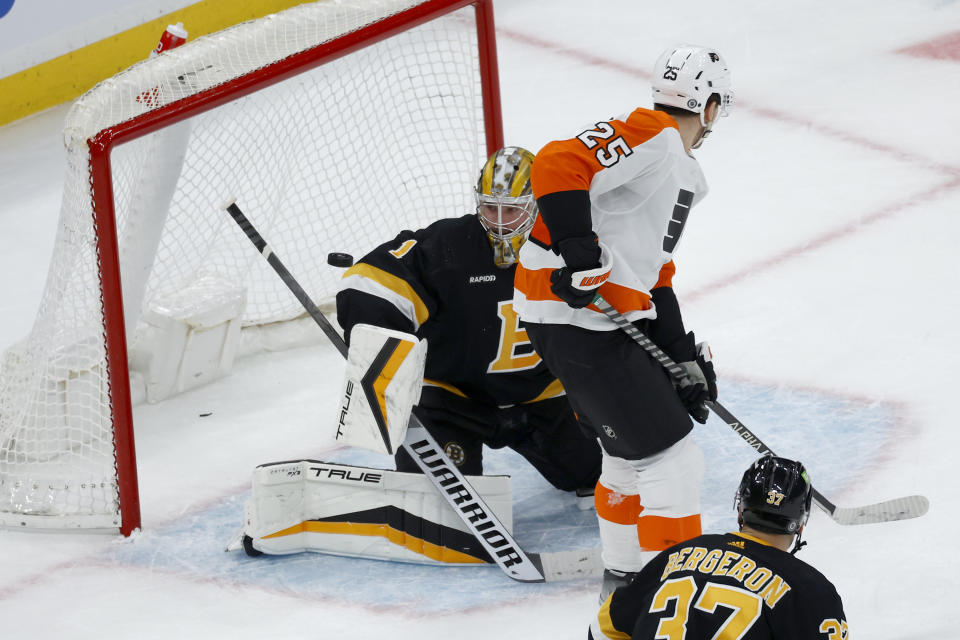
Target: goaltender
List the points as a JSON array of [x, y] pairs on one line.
[[451, 284]]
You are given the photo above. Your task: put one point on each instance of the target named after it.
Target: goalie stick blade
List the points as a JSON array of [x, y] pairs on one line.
[[236, 542], [569, 565], [887, 511]]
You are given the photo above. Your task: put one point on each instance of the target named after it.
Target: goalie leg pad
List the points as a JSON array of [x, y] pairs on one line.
[[324, 507], [384, 375]]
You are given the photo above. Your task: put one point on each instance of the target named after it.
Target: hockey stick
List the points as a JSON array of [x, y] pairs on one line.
[[430, 457], [886, 511]]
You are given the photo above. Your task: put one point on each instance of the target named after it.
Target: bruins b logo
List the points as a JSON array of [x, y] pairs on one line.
[[456, 453]]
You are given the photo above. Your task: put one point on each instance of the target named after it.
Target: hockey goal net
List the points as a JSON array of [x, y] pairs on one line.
[[334, 124]]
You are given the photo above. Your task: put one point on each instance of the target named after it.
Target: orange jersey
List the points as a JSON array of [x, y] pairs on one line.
[[642, 184]]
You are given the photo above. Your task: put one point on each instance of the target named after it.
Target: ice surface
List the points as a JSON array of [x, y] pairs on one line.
[[822, 268]]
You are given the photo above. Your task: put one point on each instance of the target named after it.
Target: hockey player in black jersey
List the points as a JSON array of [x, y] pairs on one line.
[[451, 283], [737, 585]]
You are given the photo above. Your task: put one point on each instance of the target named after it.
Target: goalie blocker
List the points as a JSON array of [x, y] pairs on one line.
[[308, 505], [384, 375]]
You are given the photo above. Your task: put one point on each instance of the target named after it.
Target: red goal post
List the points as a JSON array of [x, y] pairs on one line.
[[343, 122]]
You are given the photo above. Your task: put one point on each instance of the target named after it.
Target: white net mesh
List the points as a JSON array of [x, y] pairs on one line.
[[337, 158]]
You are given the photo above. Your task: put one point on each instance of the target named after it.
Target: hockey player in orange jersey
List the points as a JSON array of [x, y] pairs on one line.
[[614, 200]]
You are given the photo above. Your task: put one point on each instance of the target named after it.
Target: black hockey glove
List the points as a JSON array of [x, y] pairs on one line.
[[512, 427], [561, 283], [577, 282], [701, 384]]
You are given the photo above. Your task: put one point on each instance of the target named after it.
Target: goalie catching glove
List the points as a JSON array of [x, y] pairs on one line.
[[700, 385], [383, 379]]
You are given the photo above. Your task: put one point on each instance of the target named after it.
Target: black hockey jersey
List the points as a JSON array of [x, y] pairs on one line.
[[441, 283], [724, 586]]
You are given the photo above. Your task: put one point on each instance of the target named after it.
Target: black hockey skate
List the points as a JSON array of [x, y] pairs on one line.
[[613, 579]]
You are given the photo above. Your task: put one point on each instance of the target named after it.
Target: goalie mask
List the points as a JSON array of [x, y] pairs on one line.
[[686, 76], [505, 204]]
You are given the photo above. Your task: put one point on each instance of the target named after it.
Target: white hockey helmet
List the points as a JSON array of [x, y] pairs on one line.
[[685, 76]]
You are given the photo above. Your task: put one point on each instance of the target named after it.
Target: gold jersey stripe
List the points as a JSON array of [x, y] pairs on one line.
[[606, 623], [752, 538], [446, 387], [553, 390], [396, 284]]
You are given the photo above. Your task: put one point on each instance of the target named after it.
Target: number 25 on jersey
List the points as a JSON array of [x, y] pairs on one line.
[[609, 154]]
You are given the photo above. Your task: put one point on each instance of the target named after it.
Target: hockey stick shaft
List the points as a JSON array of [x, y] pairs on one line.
[[251, 232], [678, 373], [898, 509], [430, 457]]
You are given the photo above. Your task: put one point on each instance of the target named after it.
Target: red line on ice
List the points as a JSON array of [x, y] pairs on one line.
[[833, 235]]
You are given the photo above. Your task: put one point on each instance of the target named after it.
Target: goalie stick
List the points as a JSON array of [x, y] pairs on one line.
[[466, 501], [886, 511]]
